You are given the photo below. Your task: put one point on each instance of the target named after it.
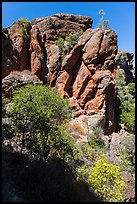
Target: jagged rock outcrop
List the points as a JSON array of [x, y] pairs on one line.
[[84, 74], [61, 25], [15, 47], [10, 56], [38, 55], [16, 80]]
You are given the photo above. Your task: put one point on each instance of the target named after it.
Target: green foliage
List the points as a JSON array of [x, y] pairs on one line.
[[37, 112], [82, 173], [128, 116], [131, 89], [60, 43], [120, 79], [106, 180], [95, 139], [122, 58], [24, 20], [63, 145], [127, 98], [127, 153], [88, 152], [7, 131], [24, 30], [72, 39], [105, 67]]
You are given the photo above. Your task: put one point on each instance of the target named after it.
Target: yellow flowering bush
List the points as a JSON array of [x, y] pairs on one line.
[[106, 180]]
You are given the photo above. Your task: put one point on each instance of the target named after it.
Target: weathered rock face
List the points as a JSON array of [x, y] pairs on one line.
[[16, 80], [15, 48], [10, 56], [84, 74], [61, 25], [38, 54]]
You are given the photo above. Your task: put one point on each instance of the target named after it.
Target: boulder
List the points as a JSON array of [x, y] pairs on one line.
[[16, 80]]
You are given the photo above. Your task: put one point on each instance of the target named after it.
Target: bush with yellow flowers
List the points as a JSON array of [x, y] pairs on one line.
[[106, 180]]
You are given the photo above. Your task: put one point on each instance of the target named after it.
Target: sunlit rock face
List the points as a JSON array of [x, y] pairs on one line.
[[84, 73]]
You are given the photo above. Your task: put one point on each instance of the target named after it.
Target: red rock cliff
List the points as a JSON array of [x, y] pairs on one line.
[[84, 74]]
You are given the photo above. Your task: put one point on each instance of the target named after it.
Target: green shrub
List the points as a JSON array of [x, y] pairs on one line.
[[72, 38], [24, 30], [63, 145], [120, 79], [24, 20], [82, 173], [131, 89], [60, 43], [37, 111], [128, 115], [126, 94], [95, 139], [106, 25], [106, 180], [127, 153], [88, 152]]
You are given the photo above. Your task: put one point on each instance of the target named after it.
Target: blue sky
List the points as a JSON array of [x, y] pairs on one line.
[[121, 15]]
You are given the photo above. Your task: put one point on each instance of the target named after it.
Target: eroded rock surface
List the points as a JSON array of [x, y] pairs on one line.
[[84, 73], [16, 80]]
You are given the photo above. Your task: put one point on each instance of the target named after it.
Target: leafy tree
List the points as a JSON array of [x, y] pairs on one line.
[[106, 180], [37, 113]]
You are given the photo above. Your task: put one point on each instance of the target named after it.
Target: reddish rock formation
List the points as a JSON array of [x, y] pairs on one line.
[[63, 83], [85, 74], [38, 54], [61, 25], [10, 56], [82, 78], [21, 43]]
